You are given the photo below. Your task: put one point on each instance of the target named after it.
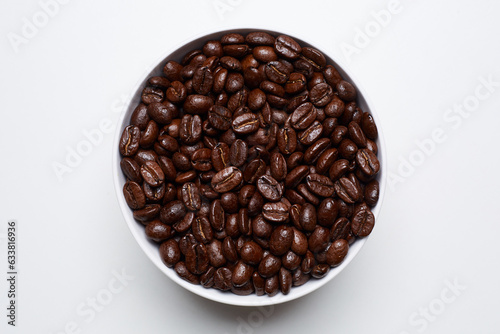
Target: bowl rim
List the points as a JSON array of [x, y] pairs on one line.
[[134, 226]]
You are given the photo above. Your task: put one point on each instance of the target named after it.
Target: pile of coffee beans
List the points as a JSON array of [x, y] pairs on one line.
[[251, 164]]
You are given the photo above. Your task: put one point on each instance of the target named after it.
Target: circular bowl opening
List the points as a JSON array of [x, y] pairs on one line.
[[151, 248]]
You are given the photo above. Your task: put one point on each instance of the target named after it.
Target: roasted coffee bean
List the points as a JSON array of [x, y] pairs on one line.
[[346, 91], [229, 202], [308, 217], [368, 126], [347, 149], [347, 190], [303, 116], [202, 230], [259, 38], [308, 195], [272, 286], [148, 136], [162, 113], [299, 278], [356, 134], [129, 141], [147, 213], [308, 262], [229, 249], [315, 57], [311, 134], [290, 260], [254, 170], [336, 253], [207, 278], [320, 185], [281, 240], [326, 160], [215, 254], [299, 243], [287, 47], [190, 129], [238, 152], [338, 134], [277, 72], [339, 168], [258, 283], [275, 211], [327, 212], [131, 169], [220, 156], [372, 193], [172, 212], [287, 140], [362, 220], [152, 173], [223, 279], [151, 95], [321, 94], [202, 160], [140, 117], [296, 176], [177, 92], [170, 253], [197, 104], [219, 117], [185, 223], [269, 188], [134, 195], [340, 229], [227, 179], [313, 152], [320, 270], [245, 123], [319, 239], [285, 281], [191, 196], [261, 228], [278, 166], [367, 161], [183, 272], [251, 253], [269, 266], [197, 259]]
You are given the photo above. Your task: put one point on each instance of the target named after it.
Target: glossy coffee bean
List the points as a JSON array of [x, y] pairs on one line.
[[227, 179], [251, 253], [362, 220], [223, 279], [281, 240], [170, 253], [134, 195], [336, 252], [172, 212], [269, 266]]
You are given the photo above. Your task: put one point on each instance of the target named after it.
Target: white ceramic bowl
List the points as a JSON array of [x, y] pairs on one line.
[[151, 248]]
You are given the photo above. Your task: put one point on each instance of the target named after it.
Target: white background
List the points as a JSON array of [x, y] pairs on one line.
[[439, 221]]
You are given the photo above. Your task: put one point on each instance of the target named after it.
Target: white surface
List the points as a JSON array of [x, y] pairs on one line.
[[438, 224]]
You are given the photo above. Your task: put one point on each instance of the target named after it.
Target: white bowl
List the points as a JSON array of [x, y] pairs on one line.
[[151, 248]]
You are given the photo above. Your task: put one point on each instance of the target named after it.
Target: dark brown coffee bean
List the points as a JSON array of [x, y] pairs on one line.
[[226, 179], [202, 159], [347, 190], [219, 117], [207, 278], [131, 169], [347, 149], [340, 168], [203, 79], [147, 213], [290, 260], [152, 173], [314, 151], [229, 202], [319, 239], [244, 222], [223, 279], [197, 259], [229, 249], [300, 243], [269, 188], [272, 286], [129, 141], [296, 176], [314, 57], [287, 140], [232, 38], [346, 91], [287, 47], [321, 94], [245, 124], [185, 223], [369, 127], [236, 50], [278, 166], [259, 38], [134, 195], [362, 220], [320, 270], [261, 228], [215, 254], [140, 117], [258, 283], [172, 70], [159, 82], [181, 270], [341, 229], [172, 212], [269, 266], [220, 156], [202, 230], [170, 253], [264, 54], [308, 262], [238, 152], [148, 136], [281, 240], [320, 185], [277, 72], [191, 196], [151, 95], [338, 134], [251, 253], [326, 160], [162, 113], [190, 129], [336, 253], [299, 278], [242, 273], [197, 104], [328, 212], [367, 161], [308, 218], [275, 211], [356, 134], [217, 215], [311, 134], [303, 116], [177, 92], [372, 192], [213, 48], [254, 170], [231, 63]]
